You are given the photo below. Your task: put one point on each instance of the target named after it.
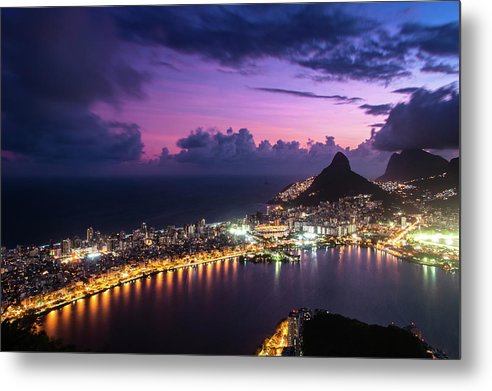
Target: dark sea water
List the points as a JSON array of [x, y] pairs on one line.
[[230, 307], [37, 210]]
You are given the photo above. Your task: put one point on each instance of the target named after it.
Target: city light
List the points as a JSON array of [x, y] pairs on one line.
[[309, 236], [238, 231]]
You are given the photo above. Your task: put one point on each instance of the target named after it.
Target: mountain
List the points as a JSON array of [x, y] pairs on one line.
[[413, 164], [448, 179], [337, 181]]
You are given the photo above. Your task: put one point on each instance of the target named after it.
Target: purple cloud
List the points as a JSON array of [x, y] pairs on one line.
[[341, 99], [230, 152], [376, 109]]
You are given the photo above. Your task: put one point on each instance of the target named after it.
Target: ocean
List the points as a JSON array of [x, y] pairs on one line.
[[35, 211]]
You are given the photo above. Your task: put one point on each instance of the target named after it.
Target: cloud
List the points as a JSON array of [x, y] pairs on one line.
[[166, 65], [231, 152], [447, 69], [338, 98], [57, 63], [324, 39], [376, 125], [441, 40], [406, 90], [430, 119], [376, 109], [234, 35], [364, 59], [212, 147]]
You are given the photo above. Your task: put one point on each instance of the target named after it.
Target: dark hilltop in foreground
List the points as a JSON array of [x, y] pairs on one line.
[[333, 335], [320, 333]]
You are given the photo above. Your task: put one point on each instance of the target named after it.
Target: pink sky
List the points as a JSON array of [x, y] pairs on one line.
[[199, 94]]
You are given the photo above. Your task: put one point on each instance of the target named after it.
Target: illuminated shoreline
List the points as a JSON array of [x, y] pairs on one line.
[[20, 311], [31, 310]]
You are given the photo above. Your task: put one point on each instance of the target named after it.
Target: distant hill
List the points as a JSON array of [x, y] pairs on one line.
[[448, 178], [337, 181], [413, 164]]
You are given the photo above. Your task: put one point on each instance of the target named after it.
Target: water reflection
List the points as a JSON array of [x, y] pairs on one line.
[[425, 273], [179, 281], [51, 322], [189, 280], [105, 303], [278, 267], [159, 279], [137, 286], [169, 285], [206, 308]]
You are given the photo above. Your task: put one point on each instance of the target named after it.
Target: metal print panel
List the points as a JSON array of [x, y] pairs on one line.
[[271, 180]]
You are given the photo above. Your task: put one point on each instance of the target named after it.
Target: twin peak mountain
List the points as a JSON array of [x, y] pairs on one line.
[[338, 180]]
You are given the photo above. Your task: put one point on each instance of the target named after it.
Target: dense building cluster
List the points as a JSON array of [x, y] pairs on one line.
[[294, 190], [29, 271], [34, 271]]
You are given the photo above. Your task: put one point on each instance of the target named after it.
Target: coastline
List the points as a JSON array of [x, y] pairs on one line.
[[37, 312], [171, 268]]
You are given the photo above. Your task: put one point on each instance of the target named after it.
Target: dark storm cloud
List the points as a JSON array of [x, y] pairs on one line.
[[364, 59], [321, 38], [439, 68], [376, 109], [56, 63], [382, 56], [235, 35], [237, 153], [338, 98], [377, 125], [324, 39], [442, 40], [430, 119]]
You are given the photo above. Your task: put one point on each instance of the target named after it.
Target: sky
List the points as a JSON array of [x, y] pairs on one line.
[[240, 89]]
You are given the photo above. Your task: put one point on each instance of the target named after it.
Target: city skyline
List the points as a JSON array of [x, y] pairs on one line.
[[166, 90], [269, 179]]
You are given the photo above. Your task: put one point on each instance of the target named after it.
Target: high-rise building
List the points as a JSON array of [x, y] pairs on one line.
[[200, 226], [77, 242], [112, 244], [189, 230], [90, 234], [66, 246]]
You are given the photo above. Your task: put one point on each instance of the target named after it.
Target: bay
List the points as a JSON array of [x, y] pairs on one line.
[[228, 308]]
